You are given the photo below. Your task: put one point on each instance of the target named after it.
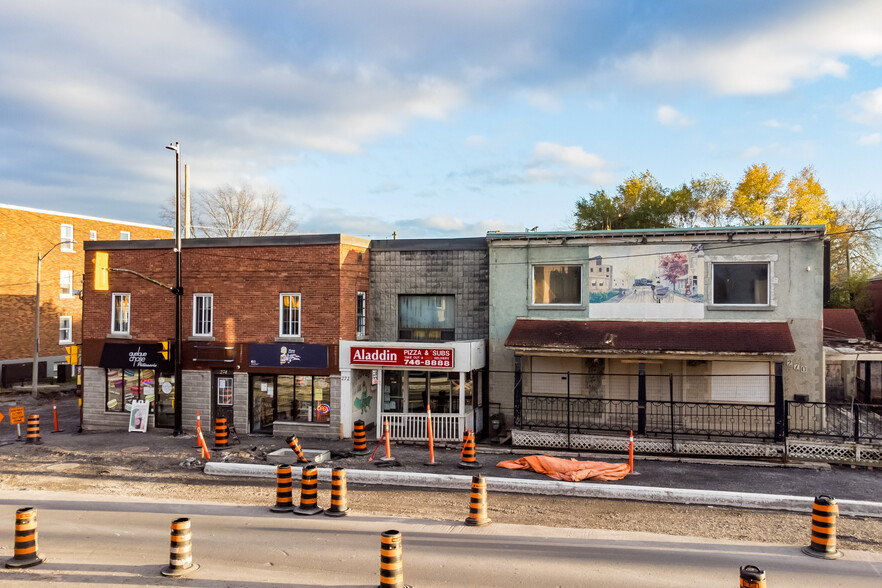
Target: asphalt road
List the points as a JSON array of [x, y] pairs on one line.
[[94, 541]]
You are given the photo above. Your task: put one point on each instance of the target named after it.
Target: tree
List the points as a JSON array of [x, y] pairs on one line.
[[755, 197], [711, 197], [856, 239], [229, 211], [673, 267], [643, 203], [804, 202], [598, 213]]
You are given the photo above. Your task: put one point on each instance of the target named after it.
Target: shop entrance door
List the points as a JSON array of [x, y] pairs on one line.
[[263, 391], [222, 395], [164, 395]]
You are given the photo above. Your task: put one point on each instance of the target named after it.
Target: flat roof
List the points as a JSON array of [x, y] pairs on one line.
[[459, 244], [740, 230], [208, 242]]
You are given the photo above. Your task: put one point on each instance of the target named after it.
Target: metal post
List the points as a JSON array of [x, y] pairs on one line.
[[641, 399], [779, 402], [568, 410], [179, 415], [671, 395], [518, 393], [35, 389]]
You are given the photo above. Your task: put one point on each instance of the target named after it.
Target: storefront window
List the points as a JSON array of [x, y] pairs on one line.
[[312, 396], [285, 398], [392, 392], [125, 385]]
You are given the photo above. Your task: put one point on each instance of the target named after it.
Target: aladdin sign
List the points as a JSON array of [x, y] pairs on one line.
[[404, 357]]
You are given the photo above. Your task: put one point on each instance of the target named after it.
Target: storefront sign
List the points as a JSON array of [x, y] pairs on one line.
[[288, 355], [134, 356], [405, 357]]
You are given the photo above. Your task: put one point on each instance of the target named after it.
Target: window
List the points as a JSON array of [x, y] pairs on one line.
[[557, 284], [312, 398], [360, 315], [65, 330], [124, 235], [289, 315], [125, 385], [121, 310], [66, 282], [741, 283], [202, 307], [225, 391], [426, 318], [67, 238], [741, 381], [93, 235]]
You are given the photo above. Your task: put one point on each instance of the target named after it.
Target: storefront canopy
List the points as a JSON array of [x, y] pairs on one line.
[[650, 337]]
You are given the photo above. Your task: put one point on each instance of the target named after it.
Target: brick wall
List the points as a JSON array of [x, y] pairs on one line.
[[27, 233]]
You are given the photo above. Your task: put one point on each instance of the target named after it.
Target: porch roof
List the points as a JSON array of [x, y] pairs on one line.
[[651, 337]]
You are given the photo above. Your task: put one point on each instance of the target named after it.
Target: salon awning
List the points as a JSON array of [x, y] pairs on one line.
[[650, 337]]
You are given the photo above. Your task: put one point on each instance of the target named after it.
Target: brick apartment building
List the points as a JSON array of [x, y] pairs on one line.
[[262, 320], [29, 233]]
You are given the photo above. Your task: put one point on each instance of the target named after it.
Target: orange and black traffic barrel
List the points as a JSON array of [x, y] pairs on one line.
[[478, 503], [25, 550], [823, 540], [359, 439], [391, 571], [752, 577], [181, 555], [221, 435], [339, 500], [33, 434], [284, 490], [294, 444], [469, 457], [308, 492]]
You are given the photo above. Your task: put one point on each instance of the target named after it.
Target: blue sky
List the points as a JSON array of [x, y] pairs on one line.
[[430, 118]]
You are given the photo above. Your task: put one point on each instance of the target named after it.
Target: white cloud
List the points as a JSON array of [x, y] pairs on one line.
[[871, 139], [335, 220], [869, 106], [767, 59], [755, 151], [775, 124], [543, 100], [671, 117], [573, 156]]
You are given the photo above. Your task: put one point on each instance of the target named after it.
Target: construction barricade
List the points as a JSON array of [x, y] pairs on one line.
[[284, 490], [478, 503], [339, 499], [823, 539], [308, 492], [181, 554], [25, 553]]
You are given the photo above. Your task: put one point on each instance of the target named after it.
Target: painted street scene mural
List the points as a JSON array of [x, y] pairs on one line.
[[626, 282]]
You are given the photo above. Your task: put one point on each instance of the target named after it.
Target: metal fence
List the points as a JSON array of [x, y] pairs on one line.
[[697, 407]]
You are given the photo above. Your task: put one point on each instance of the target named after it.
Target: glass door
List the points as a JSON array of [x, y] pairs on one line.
[[262, 395], [164, 394]]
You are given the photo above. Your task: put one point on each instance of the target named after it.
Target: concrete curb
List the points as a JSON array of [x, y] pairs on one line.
[[575, 489]]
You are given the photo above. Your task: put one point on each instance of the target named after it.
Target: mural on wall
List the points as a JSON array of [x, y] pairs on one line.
[[646, 281], [363, 396]]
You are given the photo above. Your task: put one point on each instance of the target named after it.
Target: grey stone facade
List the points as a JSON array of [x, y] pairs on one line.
[[432, 266]]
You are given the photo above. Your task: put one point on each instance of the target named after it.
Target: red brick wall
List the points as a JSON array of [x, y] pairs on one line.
[[25, 234], [245, 282]]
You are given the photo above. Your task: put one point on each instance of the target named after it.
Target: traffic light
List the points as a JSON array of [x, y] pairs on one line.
[[73, 354], [165, 351], [102, 279]]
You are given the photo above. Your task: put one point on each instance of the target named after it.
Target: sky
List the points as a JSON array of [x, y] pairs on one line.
[[432, 118]]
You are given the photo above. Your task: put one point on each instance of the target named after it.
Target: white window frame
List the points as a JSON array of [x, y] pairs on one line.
[[360, 313], [767, 260], [225, 390], [578, 304], [299, 319], [67, 238], [93, 235], [206, 317], [65, 330], [723, 390], [125, 236], [128, 317], [65, 284]]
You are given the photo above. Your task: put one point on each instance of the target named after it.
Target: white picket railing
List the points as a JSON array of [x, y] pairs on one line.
[[412, 427]]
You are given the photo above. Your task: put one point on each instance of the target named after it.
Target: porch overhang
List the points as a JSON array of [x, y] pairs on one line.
[[619, 338]]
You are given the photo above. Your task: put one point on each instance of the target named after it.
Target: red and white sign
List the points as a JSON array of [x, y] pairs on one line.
[[404, 357]]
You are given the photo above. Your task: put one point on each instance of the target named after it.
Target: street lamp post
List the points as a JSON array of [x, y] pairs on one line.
[[34, 372], [179, 290]]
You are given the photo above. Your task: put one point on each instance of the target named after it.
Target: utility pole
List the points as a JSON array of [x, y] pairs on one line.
[[178, 290]]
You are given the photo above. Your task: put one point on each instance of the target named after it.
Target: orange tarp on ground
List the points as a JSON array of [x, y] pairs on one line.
[[568, 470]]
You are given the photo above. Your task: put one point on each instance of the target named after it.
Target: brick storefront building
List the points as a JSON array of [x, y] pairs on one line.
[[262, 319], [29, 233]]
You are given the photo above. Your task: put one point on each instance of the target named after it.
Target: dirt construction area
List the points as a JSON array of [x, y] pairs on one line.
[[156, 464]]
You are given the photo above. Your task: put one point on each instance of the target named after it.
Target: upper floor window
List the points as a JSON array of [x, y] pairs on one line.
[[124, 235], [743, 284], [121, 312], [557, 284], [65, 330], [66, 282], [426, 317], [360, 313], [289, 315], [67, 238], [93, 235], [202, 310]]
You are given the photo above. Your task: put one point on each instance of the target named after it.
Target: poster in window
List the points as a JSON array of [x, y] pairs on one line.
[[138, 416]]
